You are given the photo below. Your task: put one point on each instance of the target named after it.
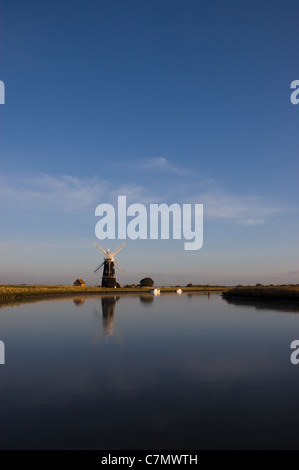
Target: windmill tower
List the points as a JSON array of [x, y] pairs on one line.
[[108, 310], [109, 263]]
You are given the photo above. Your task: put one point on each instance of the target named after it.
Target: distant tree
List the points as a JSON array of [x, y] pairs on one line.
[[189, 285], [146, 282]]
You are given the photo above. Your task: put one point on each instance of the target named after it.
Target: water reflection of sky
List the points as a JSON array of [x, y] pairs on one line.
[[172, 371]]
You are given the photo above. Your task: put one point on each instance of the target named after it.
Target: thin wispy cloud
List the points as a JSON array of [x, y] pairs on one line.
[[163, 165], [245, 210], [45, 192], [66, 193]]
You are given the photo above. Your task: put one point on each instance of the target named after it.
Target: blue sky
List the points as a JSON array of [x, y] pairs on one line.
[[162, 101]]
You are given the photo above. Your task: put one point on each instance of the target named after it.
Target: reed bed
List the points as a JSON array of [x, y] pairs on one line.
[[289, 292], [18, 293]]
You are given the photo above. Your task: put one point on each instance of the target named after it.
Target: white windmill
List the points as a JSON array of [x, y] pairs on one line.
[[109, 263]]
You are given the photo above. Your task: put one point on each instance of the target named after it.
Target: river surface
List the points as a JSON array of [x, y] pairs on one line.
[[141, 372]]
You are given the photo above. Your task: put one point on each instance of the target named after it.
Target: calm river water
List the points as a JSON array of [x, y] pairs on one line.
[[141, 372]]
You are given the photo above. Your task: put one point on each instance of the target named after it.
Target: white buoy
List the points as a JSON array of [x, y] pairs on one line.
[[155, 291]]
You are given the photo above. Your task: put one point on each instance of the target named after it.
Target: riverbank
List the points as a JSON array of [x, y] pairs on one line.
[[290, 293], [18, 293]]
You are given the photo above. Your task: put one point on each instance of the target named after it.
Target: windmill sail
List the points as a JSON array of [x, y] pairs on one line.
[[96, 270]]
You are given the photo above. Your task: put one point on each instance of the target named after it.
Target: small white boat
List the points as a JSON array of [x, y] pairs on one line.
[[179, 291], [155, 291]]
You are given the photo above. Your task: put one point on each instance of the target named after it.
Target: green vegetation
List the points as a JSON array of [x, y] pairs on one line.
[[146, 282], [287, 292], [23, 293]]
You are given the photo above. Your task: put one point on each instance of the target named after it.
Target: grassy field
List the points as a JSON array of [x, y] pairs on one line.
[[289, 292], [18, 293], [21, 293]]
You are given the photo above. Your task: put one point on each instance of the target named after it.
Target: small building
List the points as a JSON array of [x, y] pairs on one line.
[[79, 283]]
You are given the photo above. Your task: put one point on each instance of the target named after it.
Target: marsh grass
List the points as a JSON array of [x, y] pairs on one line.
[[286, 292], [19, 293]]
